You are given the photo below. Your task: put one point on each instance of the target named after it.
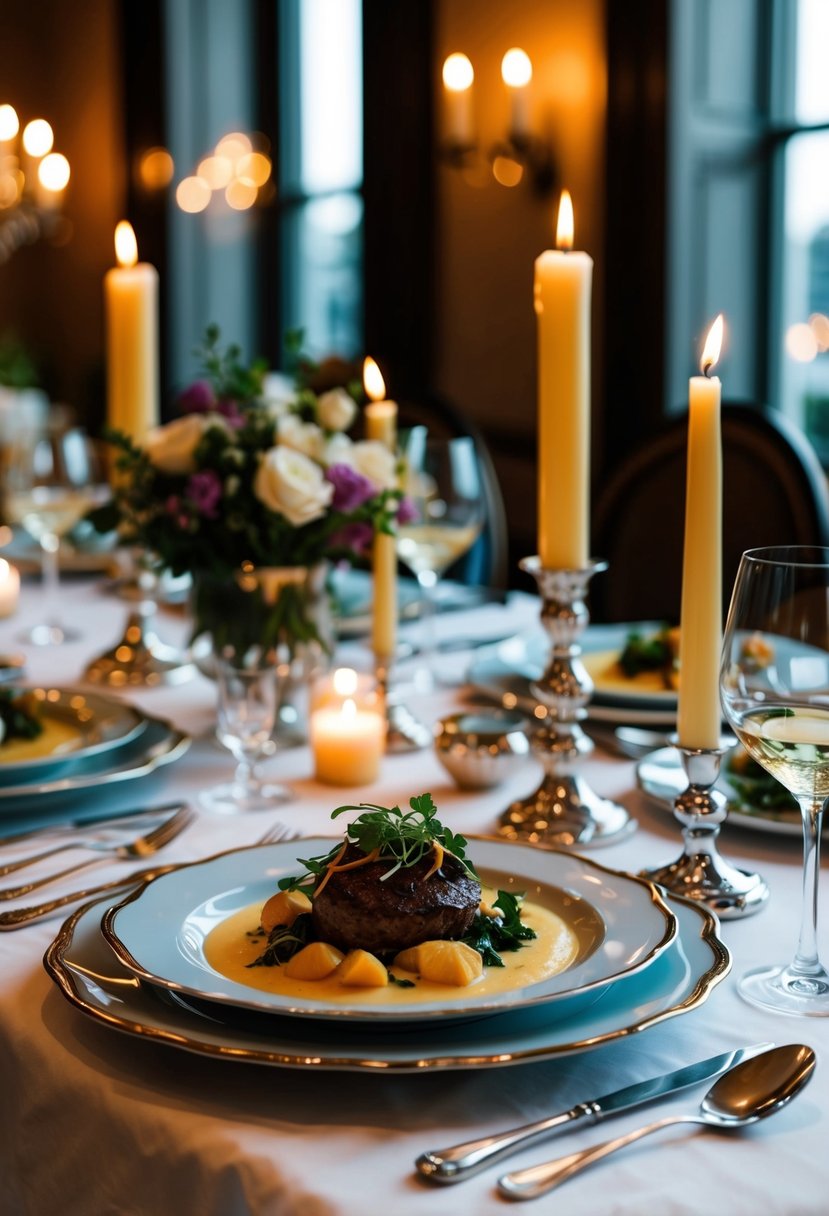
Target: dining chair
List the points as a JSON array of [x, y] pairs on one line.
[[774, 492], [487, 562]]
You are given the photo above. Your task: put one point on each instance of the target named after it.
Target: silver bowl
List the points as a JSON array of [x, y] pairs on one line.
[[482, 748]]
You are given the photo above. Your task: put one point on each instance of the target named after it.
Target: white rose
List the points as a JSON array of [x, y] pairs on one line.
[[171, 448], [305, 437], [337, 450], [292, 485], [278, 394], [374, 460], [336, 410]]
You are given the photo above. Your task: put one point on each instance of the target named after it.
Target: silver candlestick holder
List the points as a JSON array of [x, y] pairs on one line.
[[700, 873], [404, 732], [140, 658], [564, 810]]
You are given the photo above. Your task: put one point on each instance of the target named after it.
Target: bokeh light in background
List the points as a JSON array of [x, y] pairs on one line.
[[819, 325], [237, 173], [193, 194], [156, 169], [801, 343], [506, 171]]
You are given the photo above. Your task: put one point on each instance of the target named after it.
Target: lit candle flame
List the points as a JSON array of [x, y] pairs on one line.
[[349, 709], [458, 73], [126, 246], [516, 68], [373, 381], [566, 225], [713, 346], [345, 681]]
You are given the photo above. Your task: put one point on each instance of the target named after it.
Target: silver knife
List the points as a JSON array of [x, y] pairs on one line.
[[448, 1165]]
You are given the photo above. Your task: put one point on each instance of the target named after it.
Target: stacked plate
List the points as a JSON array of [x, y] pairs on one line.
[[506, 672], [639, 958], [89, 742]]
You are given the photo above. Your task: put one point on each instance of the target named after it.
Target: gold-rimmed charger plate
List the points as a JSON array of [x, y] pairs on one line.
[[90, 977]]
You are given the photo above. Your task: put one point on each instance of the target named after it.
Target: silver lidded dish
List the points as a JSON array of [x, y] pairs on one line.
[[480, 749]]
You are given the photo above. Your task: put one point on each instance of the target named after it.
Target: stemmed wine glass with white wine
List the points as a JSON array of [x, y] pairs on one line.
[[53, 480], [775, 693], [444, 485]]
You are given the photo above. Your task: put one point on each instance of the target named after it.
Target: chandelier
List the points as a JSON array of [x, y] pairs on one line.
[[33, 179]]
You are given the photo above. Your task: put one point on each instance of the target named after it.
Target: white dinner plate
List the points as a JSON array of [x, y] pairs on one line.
[[621, 922], [101, 724], [663, 778], [506, 671], [90, 977]]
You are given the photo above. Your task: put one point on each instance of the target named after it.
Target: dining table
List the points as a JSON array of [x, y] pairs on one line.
[[96, 1121]]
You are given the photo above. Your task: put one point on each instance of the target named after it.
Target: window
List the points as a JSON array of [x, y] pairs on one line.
[[803, 221]]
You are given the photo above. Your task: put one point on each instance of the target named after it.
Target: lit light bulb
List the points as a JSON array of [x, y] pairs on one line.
[[516, 68], [53, 172], [458, 73], [38, 137], [9, 122]]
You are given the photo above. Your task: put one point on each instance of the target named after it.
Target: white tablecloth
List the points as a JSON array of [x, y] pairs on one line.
[[92, 1122]]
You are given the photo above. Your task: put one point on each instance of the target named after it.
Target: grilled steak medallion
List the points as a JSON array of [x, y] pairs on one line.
[[355, 910]]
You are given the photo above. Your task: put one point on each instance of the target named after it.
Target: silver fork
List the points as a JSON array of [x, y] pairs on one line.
[[142, 846], [102, 841], [18, 918]]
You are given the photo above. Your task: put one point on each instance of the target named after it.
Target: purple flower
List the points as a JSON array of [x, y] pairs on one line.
[[351, 489], [232, 414], [407, 512], [356, 536], [204, 492], [199, 398]]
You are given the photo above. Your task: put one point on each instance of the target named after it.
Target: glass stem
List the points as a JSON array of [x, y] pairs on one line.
[[49, 545], [427, 581], [806, 961]]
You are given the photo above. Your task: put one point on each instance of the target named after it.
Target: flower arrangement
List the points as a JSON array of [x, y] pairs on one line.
[[240, 482]]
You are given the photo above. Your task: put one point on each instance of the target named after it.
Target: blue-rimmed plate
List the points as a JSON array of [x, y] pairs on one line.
[[77, 725], [621, 924]]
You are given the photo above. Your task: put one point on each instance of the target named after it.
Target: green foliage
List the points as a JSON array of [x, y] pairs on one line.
[[401, 837], [17, 368], [651, 653], [284, 941], [231, 379], [20, 715], [490, 936]]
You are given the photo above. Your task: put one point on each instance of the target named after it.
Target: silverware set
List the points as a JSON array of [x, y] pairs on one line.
[[143, 846], [752, 1083]]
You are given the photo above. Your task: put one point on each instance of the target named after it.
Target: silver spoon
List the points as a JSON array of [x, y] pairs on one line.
[[750, 1091]]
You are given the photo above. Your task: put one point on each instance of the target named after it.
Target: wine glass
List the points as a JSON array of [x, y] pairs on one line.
[[53, 480], [247, 703], [775, 693], [444, 486]]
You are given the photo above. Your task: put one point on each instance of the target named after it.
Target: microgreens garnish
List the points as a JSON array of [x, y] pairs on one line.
[[402, 837]]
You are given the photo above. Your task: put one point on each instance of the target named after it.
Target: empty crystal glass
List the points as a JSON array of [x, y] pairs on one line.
[[247, 702]]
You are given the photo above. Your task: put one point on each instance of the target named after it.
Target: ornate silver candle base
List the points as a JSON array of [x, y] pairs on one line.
[[140, 659], [404, 732], [564, 810], [699, 873]]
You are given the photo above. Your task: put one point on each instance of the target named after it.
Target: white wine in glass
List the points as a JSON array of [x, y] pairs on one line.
[[54, 479], [446, 492], [779, 709]]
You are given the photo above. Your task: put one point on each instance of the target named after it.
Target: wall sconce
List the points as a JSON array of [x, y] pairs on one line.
[[520, 154], [33, 178]]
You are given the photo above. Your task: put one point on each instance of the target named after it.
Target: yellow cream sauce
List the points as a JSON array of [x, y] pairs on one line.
[[58, 736], [603, 668], [228, 950]]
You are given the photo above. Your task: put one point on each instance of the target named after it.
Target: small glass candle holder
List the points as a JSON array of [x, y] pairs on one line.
[[347, 728]]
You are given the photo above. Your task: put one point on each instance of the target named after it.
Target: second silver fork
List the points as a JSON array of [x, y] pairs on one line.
[[142, 846]]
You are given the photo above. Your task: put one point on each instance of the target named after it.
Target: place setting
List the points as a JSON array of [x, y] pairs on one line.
[[414, 608]]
